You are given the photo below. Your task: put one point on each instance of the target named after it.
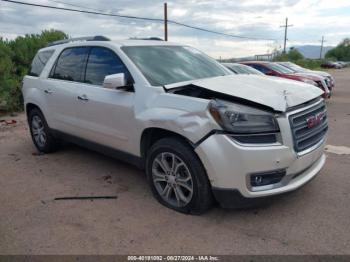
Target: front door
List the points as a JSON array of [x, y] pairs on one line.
[[106, 116]]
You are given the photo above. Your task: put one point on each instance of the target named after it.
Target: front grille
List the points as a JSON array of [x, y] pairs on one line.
[[309, 126]]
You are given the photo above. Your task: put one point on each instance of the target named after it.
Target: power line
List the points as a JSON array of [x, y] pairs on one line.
[[84, 11], [322, 42], [219, 33], [285, 34], [137, 18], [165, 22], [75, 5]]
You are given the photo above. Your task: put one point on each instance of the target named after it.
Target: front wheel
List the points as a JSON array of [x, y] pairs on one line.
[[177, 177]]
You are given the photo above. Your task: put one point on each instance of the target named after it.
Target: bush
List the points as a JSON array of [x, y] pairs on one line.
[[15, 60], [310, 63]]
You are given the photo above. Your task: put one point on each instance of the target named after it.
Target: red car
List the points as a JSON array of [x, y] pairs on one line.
[[274, 69]]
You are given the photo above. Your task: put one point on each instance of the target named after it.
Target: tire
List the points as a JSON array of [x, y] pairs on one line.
[[171, 163], [40, 132]]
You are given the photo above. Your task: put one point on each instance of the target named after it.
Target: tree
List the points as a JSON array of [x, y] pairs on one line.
[[15, 60], [341, 52], [292, 55]]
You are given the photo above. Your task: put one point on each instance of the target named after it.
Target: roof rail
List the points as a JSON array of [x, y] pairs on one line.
[[146, 38], [87, 38]]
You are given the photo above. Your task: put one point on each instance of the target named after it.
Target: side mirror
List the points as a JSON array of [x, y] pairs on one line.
[[116, 81], [270, 73]]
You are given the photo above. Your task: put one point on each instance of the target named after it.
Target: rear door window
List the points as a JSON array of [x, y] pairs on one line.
[[70, 64], [39, 62], [103, 62]]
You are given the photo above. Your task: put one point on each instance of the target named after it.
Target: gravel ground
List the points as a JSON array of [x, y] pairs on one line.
[[313, 220]]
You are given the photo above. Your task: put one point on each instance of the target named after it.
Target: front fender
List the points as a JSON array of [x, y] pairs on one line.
[[186, 116]]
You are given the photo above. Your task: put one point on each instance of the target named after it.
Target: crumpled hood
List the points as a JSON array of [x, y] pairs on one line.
[[276, 93]]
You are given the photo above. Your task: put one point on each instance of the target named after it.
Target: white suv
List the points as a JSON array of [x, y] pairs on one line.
[[200, 132]]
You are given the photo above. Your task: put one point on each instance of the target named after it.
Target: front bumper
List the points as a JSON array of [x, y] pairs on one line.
[[229, 165], [256, 171], [233, 198]]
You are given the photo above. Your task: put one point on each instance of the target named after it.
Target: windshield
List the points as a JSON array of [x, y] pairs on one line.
[[250, 70], [280, 69], [243, 69], [294, 66], [163, 65], [234, 68]]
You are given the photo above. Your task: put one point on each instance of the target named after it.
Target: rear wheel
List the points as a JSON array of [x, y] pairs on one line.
[[177, 177], [41, 134]]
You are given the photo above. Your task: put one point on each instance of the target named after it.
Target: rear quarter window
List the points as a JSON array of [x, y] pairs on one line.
[[39, 62]]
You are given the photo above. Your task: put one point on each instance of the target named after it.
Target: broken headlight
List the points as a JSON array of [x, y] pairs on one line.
[[242, 119]]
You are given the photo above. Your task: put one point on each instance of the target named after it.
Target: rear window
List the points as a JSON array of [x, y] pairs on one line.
[[39, 62], [70, 64]]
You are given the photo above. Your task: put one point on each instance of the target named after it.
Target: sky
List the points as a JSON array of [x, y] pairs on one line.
[[311, 19]]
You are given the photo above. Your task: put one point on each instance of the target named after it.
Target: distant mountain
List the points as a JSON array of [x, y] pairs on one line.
[[312, 51]]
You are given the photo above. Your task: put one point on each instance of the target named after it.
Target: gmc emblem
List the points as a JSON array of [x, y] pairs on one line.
[[315, 120]]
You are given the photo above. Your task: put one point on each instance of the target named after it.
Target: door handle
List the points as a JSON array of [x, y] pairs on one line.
[[48, 91], [83, 98]]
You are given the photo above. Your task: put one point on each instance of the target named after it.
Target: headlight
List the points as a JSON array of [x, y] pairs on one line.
[[308, 81], [242, 119]]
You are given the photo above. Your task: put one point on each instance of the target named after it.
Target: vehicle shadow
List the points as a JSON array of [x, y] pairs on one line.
[[111, 172]]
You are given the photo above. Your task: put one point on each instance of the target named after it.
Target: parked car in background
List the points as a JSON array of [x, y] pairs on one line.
[[343, 64], [242, 69], [328, 77], [274, 69], [333, 65], [199, 131]]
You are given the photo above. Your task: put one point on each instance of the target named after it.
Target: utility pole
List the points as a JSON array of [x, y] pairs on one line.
[[165, 21], [322, 41], [285, 34]]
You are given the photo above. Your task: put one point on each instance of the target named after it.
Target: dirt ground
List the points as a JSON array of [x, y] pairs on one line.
[[313, 220]]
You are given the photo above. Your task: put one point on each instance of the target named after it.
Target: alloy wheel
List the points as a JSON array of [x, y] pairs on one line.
[[172, 179], [38, 131]]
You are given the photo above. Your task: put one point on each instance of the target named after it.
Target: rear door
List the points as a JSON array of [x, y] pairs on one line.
[[62, 88], [34, 82], [106, 116]]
